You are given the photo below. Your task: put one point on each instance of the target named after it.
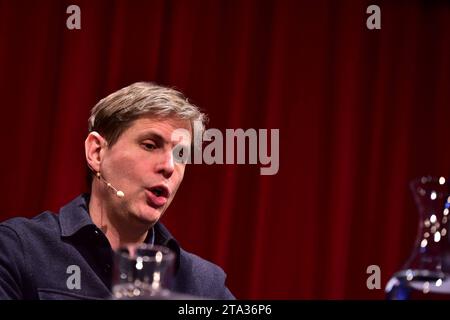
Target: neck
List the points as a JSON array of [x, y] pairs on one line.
[[116, 226]]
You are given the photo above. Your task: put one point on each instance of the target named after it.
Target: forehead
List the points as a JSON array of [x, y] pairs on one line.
[[162, 126]]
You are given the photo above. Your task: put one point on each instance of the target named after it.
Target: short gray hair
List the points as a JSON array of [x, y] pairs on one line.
[[115, 113]]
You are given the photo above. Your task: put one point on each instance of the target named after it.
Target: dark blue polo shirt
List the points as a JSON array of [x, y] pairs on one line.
[[36, 255]]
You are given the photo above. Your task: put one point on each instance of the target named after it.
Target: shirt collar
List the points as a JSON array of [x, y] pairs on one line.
[[164, 237], [75, 216]]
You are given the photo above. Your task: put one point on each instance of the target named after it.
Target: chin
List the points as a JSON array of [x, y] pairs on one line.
[[149, 215]]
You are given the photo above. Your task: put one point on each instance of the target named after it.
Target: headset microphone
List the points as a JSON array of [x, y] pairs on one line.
[[118, 193]]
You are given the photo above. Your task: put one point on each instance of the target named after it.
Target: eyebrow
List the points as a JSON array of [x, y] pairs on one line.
[[150, 134], [159, 139]]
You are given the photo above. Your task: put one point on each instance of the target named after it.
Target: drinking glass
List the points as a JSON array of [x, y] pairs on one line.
[[143, 272], [426, 274]]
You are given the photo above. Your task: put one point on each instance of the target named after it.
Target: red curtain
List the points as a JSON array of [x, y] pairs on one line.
[[360, 112]]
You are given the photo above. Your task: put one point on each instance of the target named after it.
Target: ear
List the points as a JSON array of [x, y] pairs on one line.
[[93, 148]]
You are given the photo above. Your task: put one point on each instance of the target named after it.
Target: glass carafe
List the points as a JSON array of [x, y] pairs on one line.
[[426, 274]]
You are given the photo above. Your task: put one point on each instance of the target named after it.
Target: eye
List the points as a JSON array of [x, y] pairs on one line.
[[149, 145], [181, 153]]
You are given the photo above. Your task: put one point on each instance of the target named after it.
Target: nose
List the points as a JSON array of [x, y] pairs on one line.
[[166, 164]]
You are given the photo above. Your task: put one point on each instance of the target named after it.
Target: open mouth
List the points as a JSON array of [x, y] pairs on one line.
[[160, 191], [158, 196]]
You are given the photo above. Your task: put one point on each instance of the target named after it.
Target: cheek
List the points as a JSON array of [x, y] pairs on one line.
[[136, 170], [179, 169], [124, 166]]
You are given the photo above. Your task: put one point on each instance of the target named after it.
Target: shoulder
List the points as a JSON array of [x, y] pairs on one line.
[[29, 236], [202, 278], [201, 266], [20, 243], [195, 275], [44, 222], [71, 217]]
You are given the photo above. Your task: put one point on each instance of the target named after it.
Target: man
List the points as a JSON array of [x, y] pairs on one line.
[[130, 151]]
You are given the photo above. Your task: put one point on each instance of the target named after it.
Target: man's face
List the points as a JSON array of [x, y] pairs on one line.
[[141, 164]]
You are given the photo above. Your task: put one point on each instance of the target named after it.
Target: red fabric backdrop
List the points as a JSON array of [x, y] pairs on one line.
[[361, 112]]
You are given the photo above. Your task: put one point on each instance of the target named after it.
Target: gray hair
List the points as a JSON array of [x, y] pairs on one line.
[[115, 113]]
